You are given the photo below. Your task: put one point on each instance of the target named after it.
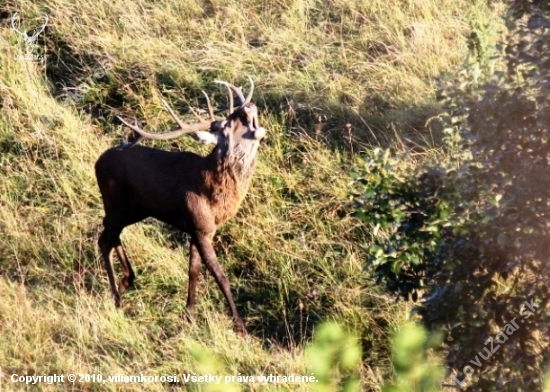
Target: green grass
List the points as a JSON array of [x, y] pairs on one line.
[[367, 63]]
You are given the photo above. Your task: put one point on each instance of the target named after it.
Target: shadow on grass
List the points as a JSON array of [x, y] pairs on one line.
[[291, 322], [288, 325], [338, 124]]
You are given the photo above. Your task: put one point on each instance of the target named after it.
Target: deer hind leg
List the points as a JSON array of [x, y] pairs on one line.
[[128, 277], [107, 241], [208, 255], [194, 271]]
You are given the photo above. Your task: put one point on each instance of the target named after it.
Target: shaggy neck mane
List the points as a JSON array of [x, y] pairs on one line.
[[237, 163]]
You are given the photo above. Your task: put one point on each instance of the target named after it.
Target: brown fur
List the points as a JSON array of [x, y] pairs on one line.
[[193, 193]]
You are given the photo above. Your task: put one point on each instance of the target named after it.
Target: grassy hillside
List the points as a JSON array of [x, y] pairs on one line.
[[293, 254]]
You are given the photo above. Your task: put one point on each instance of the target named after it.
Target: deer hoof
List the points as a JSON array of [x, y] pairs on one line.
[[117, 302], [125, 283], [239, 328]]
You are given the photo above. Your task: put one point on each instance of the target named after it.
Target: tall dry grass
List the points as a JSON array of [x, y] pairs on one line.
[[293, 254]]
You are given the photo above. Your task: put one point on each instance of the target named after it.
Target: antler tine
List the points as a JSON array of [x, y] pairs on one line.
[[180, 123], [195, 113], [184, 128], [210, 110], [231, 103], [189, 128], [237, 91], [250, 92], [147, 135], [230, 100], [133, 127]]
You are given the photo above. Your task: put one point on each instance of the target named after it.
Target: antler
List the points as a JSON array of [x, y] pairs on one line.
[[197, 128], [184, 128], [239, 93]]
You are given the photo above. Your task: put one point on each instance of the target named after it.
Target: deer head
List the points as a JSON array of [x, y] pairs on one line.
[[236, 136]]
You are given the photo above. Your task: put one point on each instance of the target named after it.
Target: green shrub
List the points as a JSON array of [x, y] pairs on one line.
[[334, 359], [470, 231], [415, 371]]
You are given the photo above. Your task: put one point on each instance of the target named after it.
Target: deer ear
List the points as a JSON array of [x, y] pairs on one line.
[[212, 136], [224, 128], [218, 126], [206, 137]]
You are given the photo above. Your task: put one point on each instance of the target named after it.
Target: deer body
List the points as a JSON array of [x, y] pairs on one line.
[[193, 193], [171, 184]]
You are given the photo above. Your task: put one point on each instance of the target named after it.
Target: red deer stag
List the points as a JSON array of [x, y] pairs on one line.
[[193, 193]]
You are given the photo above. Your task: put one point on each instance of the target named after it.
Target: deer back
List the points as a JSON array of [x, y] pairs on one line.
[[184, 188]]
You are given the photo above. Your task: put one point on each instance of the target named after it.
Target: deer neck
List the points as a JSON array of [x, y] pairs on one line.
[[236, 162], [227, 179]]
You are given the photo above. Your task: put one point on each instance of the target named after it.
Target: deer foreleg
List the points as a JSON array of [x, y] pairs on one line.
[[129, 276], [194, 271], [106, 243], [206, 251]]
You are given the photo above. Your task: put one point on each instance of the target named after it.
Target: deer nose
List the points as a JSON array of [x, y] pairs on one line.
[[259, 133]]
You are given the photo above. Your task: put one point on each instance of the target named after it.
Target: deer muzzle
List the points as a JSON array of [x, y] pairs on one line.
[[259, 133]]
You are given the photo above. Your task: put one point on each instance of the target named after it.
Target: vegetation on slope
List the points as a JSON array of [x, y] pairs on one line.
[[294, 254], [471, 227]]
